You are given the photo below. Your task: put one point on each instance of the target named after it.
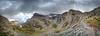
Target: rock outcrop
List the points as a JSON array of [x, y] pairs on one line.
[[5, 27]]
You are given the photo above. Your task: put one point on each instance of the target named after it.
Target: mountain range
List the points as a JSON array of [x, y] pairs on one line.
[[70, 23]]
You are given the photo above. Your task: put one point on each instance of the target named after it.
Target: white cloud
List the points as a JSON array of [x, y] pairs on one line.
[[22, 17]]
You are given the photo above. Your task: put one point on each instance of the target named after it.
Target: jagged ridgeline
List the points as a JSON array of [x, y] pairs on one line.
[[71, 23]]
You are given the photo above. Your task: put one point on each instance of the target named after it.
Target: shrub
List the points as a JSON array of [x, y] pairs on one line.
[[94, 21], [54, 25]]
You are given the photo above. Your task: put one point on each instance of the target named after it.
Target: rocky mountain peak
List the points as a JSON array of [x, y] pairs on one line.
[[37, 15], [72, 10]]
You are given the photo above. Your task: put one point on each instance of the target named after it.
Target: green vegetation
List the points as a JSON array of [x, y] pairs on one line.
[[29, 30], [94, 21], [57, 31], [54, 25], [2, 34]]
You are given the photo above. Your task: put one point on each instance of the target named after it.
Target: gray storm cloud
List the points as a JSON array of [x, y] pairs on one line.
[[15, 7]]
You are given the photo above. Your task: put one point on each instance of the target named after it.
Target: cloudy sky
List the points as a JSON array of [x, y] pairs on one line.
[[21, 10]]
